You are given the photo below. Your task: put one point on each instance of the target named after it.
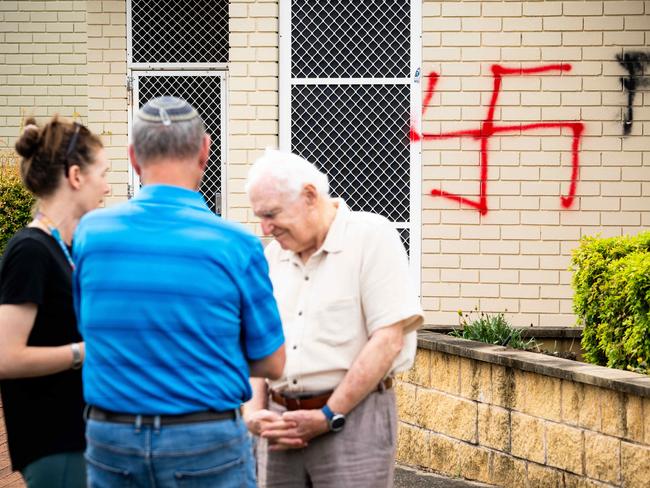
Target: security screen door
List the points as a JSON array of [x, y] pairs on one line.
[[349, 82], [180, 48]]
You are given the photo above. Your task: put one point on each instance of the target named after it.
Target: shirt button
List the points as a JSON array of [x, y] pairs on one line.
[[299, 313], [295, 382], [306, 278], [295, 347]]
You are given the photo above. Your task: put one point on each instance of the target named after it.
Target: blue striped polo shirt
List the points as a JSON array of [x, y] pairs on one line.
[[173, 302]]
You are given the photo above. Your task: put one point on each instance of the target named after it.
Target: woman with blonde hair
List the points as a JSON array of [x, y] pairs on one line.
[[41, 352]]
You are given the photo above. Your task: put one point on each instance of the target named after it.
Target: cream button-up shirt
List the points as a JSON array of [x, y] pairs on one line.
[[355, 284]]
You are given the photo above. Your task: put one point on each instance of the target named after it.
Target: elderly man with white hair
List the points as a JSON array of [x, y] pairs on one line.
[[349, 314]]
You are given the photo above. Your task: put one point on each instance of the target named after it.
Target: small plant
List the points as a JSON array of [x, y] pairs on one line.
[[491, 329], [15, 201]]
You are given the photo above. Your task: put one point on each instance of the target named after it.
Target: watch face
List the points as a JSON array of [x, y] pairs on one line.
[[337, 423]]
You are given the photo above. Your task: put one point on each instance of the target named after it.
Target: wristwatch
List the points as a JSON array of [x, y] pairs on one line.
[[336, 421], [76, 356]]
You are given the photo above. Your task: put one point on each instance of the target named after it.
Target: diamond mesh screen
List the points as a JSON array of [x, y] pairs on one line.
[[179, 31], [358, 135], [344, 39], [204, 94]]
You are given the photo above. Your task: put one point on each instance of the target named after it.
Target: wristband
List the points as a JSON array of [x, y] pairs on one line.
[[76, 355]]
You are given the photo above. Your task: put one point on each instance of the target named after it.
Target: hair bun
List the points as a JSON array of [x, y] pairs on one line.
[[27, 144]]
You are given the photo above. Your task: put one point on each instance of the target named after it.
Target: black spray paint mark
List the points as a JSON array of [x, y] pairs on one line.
[[635, 64]]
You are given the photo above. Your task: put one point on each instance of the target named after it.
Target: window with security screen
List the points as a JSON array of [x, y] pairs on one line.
[[203, 92], [180, 48], [343, 39], [357, 134], [348, 89], [179, 31]]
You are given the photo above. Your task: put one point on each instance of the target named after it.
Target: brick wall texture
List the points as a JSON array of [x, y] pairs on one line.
[[42, 63], [511, 428], [515, 256]]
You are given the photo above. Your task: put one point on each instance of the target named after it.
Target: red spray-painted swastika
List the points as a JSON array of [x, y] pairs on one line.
[[488, 129]]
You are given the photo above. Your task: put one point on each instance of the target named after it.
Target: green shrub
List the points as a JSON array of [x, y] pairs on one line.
[[492, 329], [15, 203], [611, 280]]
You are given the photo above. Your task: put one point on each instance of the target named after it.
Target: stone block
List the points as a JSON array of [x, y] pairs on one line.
[[602, 457], [494, 427], [405, 398], [445, 372], [474, 462], [413, 445], [612, 411], [574, 481], [446, 414], [420, 373], [542, 397], [635, 465], [543, 477], [476, 380], [633, 417], [506, 471], [527, 437], [570, 401], [444, 455], [564, 447], [590, 416], [646, 420], [504, 387]]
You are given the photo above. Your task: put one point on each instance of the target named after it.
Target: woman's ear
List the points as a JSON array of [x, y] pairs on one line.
[[74, 176]]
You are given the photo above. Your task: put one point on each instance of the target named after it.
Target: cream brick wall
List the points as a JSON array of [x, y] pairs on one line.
[[526, 235], [515, 257], [252, 97], [107, 94], [42, 63]]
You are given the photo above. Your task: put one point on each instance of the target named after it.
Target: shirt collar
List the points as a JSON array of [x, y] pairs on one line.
[[335, 235], [171, 195]]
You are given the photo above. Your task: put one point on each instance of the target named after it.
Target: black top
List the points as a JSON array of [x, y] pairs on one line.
[[43, 415]]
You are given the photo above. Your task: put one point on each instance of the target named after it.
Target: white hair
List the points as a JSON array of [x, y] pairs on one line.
[[288, 171]]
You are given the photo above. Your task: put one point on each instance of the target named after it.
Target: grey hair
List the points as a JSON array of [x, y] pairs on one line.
[[288, 171], [180, 139]]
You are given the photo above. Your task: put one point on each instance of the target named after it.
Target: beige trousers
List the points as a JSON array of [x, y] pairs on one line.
[[362, 455]]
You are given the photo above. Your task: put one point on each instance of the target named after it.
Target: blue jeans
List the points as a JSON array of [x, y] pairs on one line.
[[195, 455]]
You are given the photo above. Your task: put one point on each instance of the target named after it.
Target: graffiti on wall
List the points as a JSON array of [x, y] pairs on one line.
[[635, 63], [488, 129]]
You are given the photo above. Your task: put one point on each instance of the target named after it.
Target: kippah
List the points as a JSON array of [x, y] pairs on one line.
[[165, 110]]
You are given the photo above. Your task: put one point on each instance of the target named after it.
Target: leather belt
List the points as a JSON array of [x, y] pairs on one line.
[[312, 402], [100, 414]]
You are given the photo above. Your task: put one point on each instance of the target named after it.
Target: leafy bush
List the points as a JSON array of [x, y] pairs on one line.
[[611, 280], [492, 329], [15, 202]]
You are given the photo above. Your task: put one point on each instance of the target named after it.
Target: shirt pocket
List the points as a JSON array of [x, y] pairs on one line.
[[338, 321]]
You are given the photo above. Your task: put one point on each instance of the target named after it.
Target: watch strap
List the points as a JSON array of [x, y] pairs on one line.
[[328, 412]]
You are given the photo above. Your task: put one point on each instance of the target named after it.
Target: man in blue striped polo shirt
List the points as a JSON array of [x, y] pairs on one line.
[[177, 311]]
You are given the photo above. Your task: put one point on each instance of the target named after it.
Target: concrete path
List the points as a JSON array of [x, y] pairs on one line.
[[409, 478]]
